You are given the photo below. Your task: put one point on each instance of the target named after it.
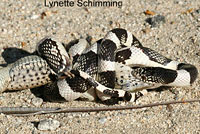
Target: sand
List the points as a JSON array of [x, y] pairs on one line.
[[25, 22]]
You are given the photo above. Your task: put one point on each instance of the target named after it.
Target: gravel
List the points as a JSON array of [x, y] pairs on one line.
[[24, 23]]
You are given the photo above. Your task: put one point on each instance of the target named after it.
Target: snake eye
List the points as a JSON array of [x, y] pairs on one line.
[[55, 55]]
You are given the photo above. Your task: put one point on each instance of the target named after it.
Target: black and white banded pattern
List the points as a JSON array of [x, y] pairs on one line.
[[116, 66]]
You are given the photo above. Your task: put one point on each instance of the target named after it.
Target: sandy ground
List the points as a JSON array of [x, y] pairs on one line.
[[24, 22]]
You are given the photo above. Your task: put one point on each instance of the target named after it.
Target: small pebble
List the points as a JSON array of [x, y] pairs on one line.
[[169, 123], [148, 12], [4, 31], [37, 101], [179, 2], [48, 124], [33, 17], [154, 21], [146, 30], [198, 11], [198, 53], [102, 120]]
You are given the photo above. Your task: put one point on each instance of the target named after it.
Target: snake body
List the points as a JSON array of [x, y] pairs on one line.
[[115, 66], [28, 72], [120, 61]]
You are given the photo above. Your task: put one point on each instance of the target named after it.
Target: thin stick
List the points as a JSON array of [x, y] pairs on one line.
[[20, 111]]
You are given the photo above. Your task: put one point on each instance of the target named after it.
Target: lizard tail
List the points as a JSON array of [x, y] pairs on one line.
[[4, 78]]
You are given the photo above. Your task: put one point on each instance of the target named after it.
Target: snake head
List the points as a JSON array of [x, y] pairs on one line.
[[55, 55]]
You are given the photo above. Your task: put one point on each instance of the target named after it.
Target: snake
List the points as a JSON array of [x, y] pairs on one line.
[[116, 66]]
